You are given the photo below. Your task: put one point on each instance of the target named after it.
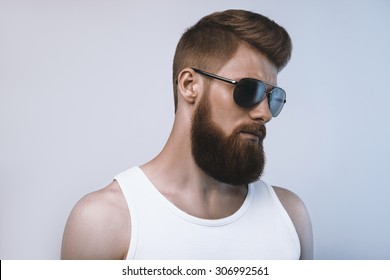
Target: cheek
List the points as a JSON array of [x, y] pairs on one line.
[[224, 111]]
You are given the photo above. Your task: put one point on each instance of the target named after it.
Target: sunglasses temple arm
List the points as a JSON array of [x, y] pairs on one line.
[[226, 80]]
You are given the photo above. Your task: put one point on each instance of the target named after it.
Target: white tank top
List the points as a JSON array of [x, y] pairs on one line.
[[260, 229]]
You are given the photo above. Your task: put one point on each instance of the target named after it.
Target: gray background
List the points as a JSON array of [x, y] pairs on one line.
[[85, 92]]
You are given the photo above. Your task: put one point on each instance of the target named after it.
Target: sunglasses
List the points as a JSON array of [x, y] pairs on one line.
[[249, 92]]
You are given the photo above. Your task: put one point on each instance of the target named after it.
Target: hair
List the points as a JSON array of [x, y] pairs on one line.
[[213, 40]]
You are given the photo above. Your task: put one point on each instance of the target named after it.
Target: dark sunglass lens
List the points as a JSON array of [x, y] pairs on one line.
[[276, 100], [249, 92]]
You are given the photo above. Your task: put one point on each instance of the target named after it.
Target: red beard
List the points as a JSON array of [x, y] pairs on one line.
[[228, 159]]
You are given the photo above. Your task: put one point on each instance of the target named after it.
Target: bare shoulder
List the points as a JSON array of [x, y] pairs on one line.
[[299, 215], [98, 226]]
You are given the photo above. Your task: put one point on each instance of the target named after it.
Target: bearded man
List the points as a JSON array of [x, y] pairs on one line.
[[202, 197]]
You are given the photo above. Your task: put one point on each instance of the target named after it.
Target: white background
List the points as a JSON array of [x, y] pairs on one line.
[[85, 92]]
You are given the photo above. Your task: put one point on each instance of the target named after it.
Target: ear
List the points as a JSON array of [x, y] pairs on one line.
[[188, 85]]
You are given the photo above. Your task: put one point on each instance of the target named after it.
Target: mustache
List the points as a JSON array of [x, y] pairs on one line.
[[257, 129]]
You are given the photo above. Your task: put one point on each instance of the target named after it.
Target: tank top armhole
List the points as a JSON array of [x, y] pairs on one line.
[[286, 217], [123, 182]]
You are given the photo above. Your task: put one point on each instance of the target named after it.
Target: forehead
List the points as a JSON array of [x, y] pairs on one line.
[[248, 62]]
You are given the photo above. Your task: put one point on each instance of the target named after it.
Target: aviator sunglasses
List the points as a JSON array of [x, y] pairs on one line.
[[249, 92]]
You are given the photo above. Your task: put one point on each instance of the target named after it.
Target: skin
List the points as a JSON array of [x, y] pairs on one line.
[[99, 225]]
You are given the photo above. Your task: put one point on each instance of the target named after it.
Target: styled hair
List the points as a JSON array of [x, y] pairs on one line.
[[213, 40]]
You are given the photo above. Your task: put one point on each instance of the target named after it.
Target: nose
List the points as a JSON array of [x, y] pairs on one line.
[[261, 112]]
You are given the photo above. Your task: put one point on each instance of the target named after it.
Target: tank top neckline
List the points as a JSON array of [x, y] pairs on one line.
[[196, 220]]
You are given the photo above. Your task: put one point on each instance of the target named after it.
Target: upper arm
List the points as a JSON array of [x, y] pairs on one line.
[[97, 228], [300, 218]]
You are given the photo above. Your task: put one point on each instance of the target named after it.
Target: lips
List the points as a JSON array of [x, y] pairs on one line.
[[255, 130]]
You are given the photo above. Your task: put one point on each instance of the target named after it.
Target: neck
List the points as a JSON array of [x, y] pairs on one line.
[[176, 175]]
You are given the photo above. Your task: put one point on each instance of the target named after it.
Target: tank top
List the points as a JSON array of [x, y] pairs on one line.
[[260, 229]]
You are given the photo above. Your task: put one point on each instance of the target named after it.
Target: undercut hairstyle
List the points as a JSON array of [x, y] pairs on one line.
[[212, 41]]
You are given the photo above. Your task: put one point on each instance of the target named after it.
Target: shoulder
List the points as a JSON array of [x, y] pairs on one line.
[[98, 226], [299, 215]]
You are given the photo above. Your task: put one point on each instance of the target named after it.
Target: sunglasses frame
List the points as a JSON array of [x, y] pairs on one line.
[[235, 83]]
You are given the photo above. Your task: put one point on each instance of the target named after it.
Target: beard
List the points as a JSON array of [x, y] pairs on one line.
[[228, 159]]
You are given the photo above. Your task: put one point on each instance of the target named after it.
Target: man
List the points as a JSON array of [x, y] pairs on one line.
[[201, 197]]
